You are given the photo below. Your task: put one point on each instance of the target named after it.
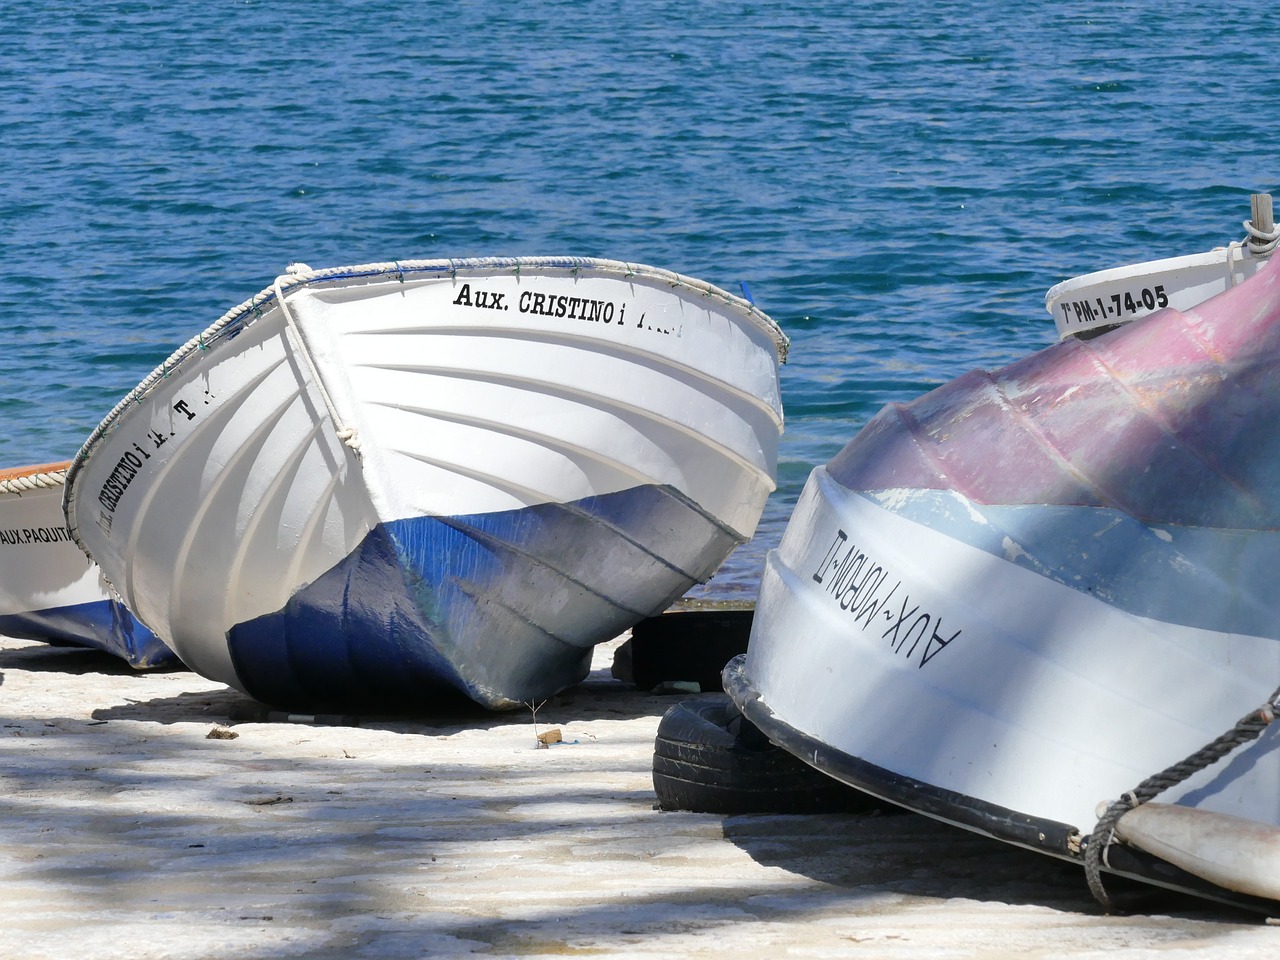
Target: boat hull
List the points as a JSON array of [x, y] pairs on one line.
[[953, 666], [540, 590], [49, 590], [454, 475], [1096, 302], [1027, 592]]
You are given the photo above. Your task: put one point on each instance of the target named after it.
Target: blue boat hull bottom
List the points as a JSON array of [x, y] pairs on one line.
[[105, 625], [504, 607]]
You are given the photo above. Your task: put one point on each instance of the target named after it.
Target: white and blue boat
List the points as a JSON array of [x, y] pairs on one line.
[[49, 590], [369, 484], [1040, 603]]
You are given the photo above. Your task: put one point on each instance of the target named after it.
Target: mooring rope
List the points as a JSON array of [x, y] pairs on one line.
[[1261, 243], [1248, 728]]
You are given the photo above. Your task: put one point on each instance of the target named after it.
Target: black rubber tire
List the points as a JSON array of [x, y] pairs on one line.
[[687, 645], [708, 758]]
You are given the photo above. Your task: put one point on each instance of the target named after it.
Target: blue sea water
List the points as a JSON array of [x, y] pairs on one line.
[[897, 183]]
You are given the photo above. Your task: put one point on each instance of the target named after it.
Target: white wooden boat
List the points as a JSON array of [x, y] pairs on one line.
[[1031, 592], [49, 590], [369, 483], [1096, 302]]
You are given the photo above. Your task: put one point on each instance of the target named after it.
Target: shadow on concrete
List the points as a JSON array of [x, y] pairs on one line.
[[413, 849], [47, 657], [911, 854]]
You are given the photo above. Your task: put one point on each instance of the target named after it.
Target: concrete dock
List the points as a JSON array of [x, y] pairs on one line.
[[161, 815]]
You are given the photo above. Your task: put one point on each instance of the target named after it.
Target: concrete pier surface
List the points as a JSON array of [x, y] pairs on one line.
[[161, 815]]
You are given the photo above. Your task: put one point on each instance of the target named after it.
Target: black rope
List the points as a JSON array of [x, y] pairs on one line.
[[1248, 728]]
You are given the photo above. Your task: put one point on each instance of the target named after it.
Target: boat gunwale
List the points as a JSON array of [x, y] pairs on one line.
[[1218, 256], [238, 318], [1230, 263], [992, 820], [1039, 835], [24, 479]]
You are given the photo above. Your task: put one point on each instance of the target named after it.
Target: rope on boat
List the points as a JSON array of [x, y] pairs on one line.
[[33, 481], [1260, 243], [1248, 728], [346, 433]]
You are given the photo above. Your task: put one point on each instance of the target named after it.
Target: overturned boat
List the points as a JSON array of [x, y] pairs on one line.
[[369, 484], [49, 590], [1039, 603]]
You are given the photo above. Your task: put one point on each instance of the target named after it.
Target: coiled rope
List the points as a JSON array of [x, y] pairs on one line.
[[1248, 728], [1260, 243]]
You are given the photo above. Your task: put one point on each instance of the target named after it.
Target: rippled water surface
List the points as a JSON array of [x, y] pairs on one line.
[[897, 183]]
